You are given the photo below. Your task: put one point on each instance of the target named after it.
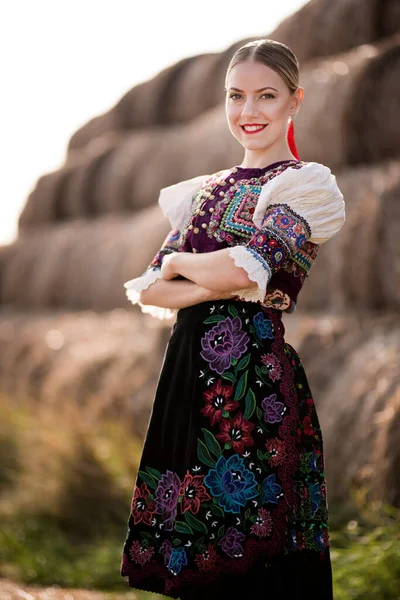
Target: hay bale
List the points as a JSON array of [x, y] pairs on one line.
[[81, 264], [57, 196], [106, 365], [338, 122], [80, 199], [44, 204], [372, 125], [324, 28], [197, 89], [389, 19], [143, 105], [113, 187], [94, 128]]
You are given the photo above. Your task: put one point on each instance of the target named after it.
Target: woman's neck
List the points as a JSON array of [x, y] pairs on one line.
[[257, 160]]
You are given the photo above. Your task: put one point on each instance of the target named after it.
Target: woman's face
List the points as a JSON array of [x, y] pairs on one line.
[[258, 106]]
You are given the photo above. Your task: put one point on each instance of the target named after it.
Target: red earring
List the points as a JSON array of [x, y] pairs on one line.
[[291, 141]]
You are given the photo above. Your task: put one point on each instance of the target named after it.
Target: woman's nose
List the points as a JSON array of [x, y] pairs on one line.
[[249, 108]]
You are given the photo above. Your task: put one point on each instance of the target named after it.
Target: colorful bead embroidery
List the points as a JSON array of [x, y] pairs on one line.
[[171, 244]]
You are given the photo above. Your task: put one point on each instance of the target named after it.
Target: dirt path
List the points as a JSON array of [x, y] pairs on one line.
[[9, 590]]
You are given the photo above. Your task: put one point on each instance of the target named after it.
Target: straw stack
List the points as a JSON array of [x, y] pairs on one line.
[[81, 264]]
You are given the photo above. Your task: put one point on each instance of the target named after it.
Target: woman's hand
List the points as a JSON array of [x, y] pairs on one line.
[[168, 266]]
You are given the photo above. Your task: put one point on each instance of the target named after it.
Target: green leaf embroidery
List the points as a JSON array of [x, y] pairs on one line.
[[243, 362], [260, 455], [156, 474], [204, 455], [148, 479], [214, 319], [217, 510], [221, 531], [195, 523], [229, 376], [241, 386], [212, 443], [182, 527], [232, 310], [176, 542], [250, 404]]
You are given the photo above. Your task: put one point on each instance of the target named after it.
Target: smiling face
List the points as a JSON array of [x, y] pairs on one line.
[[258, 106]]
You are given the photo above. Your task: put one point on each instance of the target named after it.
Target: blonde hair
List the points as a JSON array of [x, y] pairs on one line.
[[275, 55]]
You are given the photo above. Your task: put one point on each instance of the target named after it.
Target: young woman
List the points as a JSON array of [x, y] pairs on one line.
[[230, 499]]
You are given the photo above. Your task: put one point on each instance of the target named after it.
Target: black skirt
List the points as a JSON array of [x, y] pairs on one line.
[[230, 498]]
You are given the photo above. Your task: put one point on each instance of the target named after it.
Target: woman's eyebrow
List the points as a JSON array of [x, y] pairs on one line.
[[257, 91]]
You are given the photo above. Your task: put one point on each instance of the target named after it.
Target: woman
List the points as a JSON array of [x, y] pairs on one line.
[[230, 498]]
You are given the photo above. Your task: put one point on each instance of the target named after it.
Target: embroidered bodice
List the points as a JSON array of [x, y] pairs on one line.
[[273, 220]]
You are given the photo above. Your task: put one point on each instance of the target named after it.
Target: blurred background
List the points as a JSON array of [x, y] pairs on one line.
[[102, 105]]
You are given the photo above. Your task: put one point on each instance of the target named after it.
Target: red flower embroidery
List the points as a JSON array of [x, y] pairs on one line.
[[276, 448], [140, 554], [193, 493], [236, 431], [206, 561], [263, 525], [218, 399], [142, 509]]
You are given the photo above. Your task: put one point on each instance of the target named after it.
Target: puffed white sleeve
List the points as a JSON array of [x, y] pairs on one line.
[[299, 205], [175, 202]]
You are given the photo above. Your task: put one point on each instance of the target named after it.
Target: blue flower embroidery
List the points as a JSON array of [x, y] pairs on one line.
[[264, 327], [271, 490], [232, 482], [177, 560]]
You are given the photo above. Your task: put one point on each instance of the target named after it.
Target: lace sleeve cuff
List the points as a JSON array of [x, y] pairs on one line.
[[257, 270], [135, 286]]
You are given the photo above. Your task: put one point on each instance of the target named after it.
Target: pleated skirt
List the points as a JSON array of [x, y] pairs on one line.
[[230, 499]]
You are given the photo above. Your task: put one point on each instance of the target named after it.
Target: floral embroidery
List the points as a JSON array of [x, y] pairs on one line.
[[170, 244], [224, 342], [273, 366], [254, 487], [264, 327], [273, 410], [232, 483], [218, 401], [263, 525]]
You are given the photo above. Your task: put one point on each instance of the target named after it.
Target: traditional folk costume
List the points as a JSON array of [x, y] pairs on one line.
[[230, 500]]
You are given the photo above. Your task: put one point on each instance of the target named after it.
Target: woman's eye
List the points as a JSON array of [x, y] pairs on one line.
[[269, 95], [234, 96]]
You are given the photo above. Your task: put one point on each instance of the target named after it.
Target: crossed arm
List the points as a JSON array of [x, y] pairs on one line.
[[209, 276]]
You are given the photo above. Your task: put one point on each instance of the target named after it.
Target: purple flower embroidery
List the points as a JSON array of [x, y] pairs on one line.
[[230, 543], [223, 342], [273, 410], [166, 498]]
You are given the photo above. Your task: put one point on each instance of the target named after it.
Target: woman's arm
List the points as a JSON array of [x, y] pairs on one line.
[[215, 271], [176, 294]]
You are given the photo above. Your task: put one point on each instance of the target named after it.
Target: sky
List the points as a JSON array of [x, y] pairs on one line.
[[64, 62]]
